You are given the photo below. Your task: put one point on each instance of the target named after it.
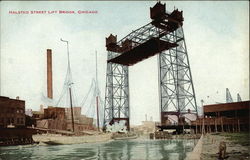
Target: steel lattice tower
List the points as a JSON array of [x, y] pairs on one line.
[[176, 85], [163, 36], [117, 92]]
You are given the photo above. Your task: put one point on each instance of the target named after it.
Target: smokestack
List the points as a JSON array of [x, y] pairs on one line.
[[49, 74]]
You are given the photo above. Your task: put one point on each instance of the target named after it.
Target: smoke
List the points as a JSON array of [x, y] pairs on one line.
[[117, 127], [47, 101]]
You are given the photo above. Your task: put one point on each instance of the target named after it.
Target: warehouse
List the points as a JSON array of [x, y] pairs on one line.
[[225, 117], [12, 112]]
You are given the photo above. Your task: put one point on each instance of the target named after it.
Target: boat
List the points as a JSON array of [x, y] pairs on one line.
[[125, 138], [52, 143]]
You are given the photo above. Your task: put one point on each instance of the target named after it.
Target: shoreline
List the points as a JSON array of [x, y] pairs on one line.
[[195, 154], [42, 138], [237, 146], [207, 148]]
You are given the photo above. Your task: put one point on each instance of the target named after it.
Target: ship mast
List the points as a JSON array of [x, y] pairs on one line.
[[69, 83], [97, 95]]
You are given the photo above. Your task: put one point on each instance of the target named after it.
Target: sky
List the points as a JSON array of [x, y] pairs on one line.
[[216, 35]]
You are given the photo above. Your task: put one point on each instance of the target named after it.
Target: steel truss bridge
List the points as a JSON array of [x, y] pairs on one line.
[[163, 36]]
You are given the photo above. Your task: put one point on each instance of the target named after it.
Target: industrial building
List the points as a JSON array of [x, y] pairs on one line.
[[81, 122], [58, 118], [145, 128], [12, 112], [13, 129], [54, 118], [225, 117]]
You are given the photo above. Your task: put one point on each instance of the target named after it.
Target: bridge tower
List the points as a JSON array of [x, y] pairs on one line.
[[177, 95], [163, 36], [117, 87]]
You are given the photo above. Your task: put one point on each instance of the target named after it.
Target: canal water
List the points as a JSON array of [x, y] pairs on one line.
[[113, 150]]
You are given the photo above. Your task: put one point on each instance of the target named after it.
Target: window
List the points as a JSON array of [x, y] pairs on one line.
[[8, 120], [21, 120]]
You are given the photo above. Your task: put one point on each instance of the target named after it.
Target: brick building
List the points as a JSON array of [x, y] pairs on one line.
[[60, 119], [53, 118], [12, 112], [81, 122], [54, 113], [38, 114]]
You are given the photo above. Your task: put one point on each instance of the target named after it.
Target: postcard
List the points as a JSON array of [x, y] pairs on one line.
[[137, 80]]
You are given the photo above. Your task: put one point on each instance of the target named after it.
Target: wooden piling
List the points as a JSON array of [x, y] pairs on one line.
[[210, 126], [215, 125], [238, 125], [222, 130], [195, 127], [200, 126]]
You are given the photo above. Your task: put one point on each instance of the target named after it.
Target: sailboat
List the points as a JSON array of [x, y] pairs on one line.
[[68, 88], [69, 83]]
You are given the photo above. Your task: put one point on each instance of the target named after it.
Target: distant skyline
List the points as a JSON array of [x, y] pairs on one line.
[[216, 34]]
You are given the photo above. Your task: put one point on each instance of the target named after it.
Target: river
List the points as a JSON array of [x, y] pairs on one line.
[[113, 150]]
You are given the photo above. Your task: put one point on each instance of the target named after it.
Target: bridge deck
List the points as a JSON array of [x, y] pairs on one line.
[[143, 51]]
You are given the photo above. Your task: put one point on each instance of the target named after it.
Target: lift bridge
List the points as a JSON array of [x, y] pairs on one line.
[[163, 36]]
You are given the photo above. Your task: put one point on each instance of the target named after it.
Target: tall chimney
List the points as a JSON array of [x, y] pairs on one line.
[[49, 74]]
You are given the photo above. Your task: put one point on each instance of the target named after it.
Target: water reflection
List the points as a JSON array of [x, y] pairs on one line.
[[115, 150]]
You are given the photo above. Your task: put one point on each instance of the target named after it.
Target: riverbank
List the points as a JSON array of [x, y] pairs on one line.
[[60, 139], [195, 154], [237, 146]]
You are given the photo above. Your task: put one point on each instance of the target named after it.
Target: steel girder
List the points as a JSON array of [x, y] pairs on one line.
[[176, 84], [117, 92]]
